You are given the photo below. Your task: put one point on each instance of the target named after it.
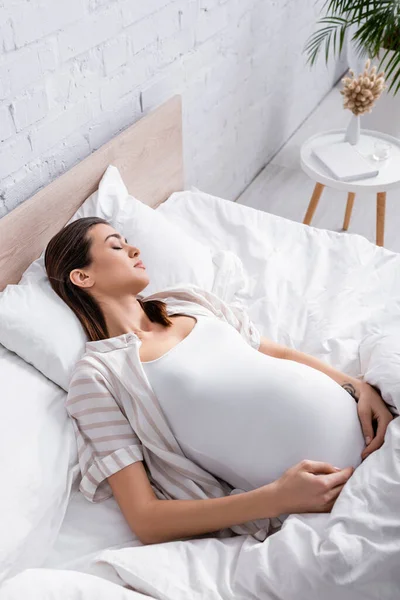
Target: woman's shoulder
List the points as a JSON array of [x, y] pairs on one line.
[[89, 384], [173, 292], [87, 368], [190, 295]]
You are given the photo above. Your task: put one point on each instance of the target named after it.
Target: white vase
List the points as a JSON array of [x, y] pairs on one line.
[[385, 114], [353, 130]]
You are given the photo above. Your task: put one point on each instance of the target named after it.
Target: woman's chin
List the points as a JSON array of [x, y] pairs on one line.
[[143, 284]]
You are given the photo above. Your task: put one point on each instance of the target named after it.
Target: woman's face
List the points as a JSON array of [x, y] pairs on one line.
[[116, 267]]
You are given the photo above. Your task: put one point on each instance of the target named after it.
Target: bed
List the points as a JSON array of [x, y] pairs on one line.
[[336, 296]]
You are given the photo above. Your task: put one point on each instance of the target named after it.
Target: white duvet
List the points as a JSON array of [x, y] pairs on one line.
[[335, 296]]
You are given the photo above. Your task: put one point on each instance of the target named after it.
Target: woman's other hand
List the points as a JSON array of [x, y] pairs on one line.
[[310, 486], [371, 407]]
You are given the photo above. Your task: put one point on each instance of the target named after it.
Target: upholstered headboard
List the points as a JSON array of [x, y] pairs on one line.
[[150, 159]]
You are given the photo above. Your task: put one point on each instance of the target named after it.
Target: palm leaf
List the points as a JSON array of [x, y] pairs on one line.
[[325, 34], [377, 26], [395, 69], [395, 83], [370, 34], [391, 65]]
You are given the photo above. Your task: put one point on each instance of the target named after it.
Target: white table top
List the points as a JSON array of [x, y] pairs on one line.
[[389, 169]]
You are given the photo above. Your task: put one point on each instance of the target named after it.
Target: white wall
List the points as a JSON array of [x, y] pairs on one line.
[[74, 73]]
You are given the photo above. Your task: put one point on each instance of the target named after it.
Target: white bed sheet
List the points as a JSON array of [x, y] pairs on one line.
[[336, 296], [38, 457]]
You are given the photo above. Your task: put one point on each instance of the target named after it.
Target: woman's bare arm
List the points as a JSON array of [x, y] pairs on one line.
[[309, 486], [154, 520]]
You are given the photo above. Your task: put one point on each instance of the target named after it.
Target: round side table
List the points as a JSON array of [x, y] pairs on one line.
[[388, 177]]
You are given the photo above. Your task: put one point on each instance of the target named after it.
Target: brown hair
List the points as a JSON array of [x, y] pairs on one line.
[[70, 249]]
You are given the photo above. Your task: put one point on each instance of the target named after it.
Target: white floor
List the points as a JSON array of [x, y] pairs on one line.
[[283, 189]]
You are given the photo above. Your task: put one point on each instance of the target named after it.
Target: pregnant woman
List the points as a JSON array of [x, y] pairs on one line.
[[179, 398]]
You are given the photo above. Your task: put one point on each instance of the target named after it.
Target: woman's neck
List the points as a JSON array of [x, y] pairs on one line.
[[125, 315]]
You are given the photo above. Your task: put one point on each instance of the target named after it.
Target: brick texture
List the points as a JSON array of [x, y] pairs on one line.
[[74, 74]]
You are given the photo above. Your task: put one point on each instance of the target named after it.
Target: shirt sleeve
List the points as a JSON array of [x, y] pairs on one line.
[[185, 299], [236, 314], [105, 438]]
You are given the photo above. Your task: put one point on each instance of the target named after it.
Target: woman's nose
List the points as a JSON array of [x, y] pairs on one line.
[[134, 251]]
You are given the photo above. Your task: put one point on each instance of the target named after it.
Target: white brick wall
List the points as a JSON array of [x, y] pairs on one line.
[[74, 74]]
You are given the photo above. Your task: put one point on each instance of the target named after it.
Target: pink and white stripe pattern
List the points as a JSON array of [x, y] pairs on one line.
[[118, 420]]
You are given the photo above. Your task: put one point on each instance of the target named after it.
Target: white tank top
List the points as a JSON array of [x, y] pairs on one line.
[[247, 417]]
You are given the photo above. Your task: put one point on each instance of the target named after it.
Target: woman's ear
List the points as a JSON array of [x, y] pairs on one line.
[[81, 279]]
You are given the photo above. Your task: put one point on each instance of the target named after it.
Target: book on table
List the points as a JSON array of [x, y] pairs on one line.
[[344, 162]]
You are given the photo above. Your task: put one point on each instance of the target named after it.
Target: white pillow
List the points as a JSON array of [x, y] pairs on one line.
[[106, 202], [55, 584], [38, 464], [38, 326], [169, 254]]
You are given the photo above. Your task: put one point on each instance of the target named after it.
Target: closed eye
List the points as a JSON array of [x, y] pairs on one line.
[[115, 248]]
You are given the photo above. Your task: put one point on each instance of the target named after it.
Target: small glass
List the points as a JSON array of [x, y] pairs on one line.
[[381, 150]]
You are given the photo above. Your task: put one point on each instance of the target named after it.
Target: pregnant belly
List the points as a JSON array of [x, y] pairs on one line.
[[255, 427]]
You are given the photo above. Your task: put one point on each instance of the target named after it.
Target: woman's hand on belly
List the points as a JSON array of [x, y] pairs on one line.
[[371, 407], [310, 486]]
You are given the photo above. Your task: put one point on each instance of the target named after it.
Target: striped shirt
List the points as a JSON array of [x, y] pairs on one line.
[[117, 418]]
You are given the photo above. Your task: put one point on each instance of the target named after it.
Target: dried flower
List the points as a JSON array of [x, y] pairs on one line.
[[360, 93]]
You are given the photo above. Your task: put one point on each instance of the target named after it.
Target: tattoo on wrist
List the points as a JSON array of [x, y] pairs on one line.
[[349, 387]]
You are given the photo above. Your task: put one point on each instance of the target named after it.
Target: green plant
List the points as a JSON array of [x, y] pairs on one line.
[[375, 27]]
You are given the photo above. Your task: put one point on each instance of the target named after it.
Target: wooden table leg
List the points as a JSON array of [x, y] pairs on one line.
[[349, 208], [380, 217], [316, 195]]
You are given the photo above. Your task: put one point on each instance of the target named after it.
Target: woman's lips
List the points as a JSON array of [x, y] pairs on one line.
[[139, 265]]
